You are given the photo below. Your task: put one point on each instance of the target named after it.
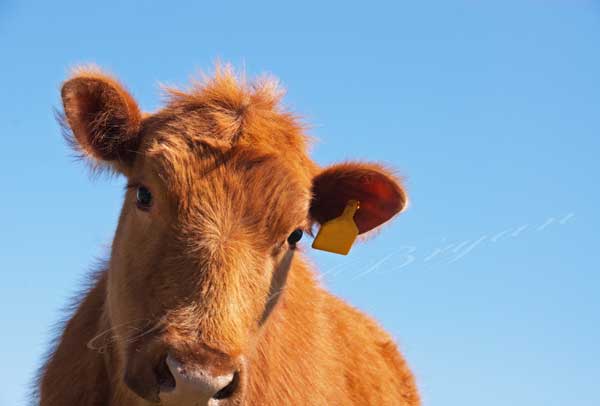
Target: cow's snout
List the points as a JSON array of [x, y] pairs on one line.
[[194, 375], [198, 385]]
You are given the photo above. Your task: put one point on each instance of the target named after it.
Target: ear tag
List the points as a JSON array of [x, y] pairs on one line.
[[338, 234]]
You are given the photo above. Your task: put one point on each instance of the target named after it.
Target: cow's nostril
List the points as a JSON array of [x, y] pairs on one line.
[[164, 377], [228, 390]]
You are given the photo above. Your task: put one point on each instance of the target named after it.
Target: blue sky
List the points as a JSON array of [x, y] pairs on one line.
[[491, 110]]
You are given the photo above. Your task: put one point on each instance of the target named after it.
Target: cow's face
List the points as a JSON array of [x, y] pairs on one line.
[[219, 193]]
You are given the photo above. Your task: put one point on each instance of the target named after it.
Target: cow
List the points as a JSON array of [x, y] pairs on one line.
[[206, 297]]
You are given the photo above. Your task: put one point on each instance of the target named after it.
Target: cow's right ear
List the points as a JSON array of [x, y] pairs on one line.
[[104, 118]]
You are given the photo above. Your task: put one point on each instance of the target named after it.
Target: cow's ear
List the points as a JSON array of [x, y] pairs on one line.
[[104, 119], [379, 192]]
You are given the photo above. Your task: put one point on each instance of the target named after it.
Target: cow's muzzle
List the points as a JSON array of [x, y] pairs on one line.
[[198, 385], [206, 377]]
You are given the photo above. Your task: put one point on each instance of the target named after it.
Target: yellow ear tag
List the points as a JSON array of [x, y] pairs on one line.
[[338, 235]]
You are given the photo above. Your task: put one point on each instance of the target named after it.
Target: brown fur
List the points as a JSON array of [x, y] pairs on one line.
[[206, 273]]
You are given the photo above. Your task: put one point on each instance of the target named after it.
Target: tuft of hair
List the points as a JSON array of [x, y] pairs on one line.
[[240, 111]]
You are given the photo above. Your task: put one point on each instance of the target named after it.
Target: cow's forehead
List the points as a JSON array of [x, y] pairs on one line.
[[190, 158], [240, 183]]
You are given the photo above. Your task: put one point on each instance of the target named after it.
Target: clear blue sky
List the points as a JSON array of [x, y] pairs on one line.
[[490, 109]]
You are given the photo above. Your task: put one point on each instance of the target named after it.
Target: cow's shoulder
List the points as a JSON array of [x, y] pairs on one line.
[[375, 372]]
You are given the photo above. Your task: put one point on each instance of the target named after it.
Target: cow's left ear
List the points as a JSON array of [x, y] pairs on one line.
[[378, 191]]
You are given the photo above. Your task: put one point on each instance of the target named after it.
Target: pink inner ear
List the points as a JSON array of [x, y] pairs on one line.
[[380, 197]]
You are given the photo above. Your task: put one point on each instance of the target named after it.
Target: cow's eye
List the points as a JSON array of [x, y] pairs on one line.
[[143, 198], [295, 236]]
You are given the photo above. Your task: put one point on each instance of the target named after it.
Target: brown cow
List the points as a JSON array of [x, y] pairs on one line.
[[205, 299]]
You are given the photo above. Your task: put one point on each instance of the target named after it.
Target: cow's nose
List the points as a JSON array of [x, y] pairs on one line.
[[196, 385]]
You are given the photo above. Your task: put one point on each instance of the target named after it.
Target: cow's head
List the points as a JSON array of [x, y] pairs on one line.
[[219, 190]]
